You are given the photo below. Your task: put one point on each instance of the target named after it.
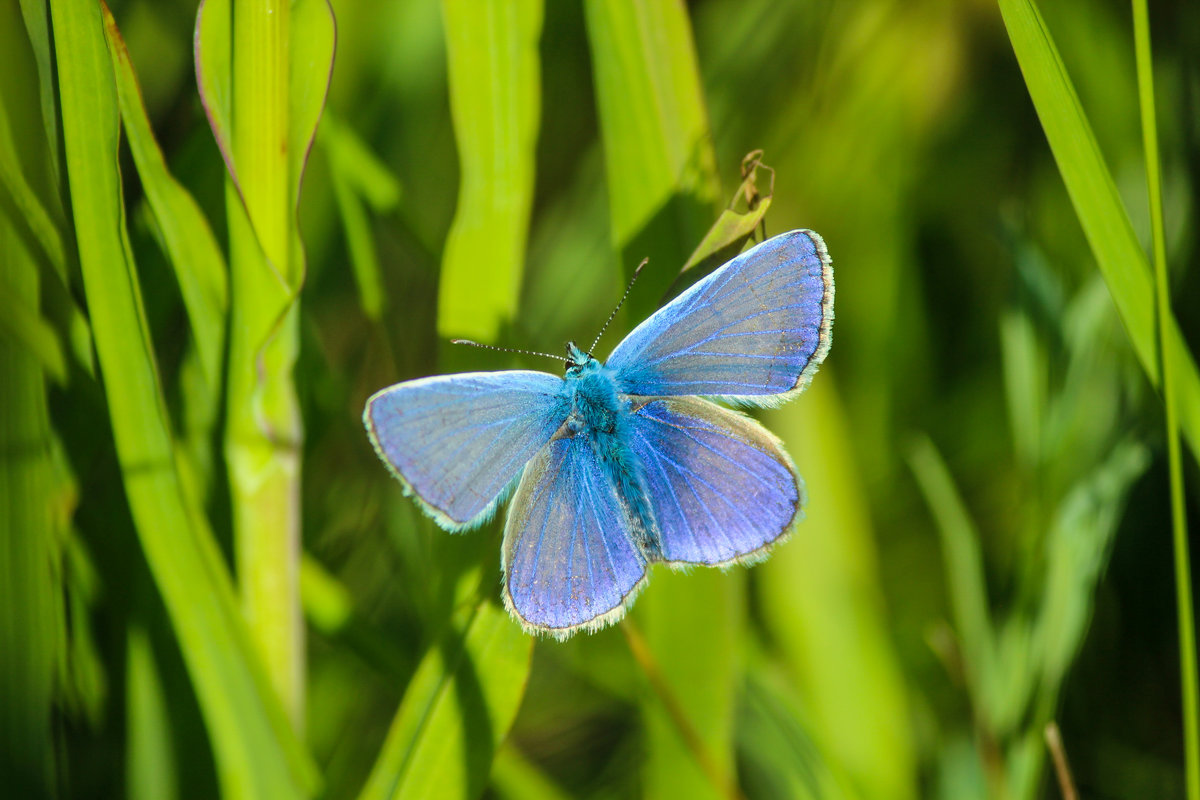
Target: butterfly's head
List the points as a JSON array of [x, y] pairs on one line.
[[577, 360]]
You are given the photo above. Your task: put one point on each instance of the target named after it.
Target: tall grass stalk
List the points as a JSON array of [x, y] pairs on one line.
[[1183, 575], [263, 437]]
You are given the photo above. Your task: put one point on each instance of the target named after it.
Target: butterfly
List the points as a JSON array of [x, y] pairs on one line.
[[621, 464]]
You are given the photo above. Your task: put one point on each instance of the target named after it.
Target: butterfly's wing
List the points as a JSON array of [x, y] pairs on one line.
[[457, 442], [569, 558], [721, 486], [754, 331]]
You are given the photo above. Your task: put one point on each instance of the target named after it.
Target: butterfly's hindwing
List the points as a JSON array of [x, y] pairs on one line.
[[721, 486], [753, 331], [569, 557], [457, 441]]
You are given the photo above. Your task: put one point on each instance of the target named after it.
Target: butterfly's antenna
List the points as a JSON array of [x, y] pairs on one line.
[[507, 349], [603, 328]]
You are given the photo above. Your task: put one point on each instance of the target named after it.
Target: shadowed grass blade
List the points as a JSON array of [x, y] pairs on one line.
[[456, 710], [31, 539]]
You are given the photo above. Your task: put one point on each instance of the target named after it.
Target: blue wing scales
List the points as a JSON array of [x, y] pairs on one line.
[[753, 331], [457, 442], [722, 488], [569, 558]]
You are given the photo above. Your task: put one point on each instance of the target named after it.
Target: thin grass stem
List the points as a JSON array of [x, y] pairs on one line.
[[1183, 576], [687, 732], [1062, 768]]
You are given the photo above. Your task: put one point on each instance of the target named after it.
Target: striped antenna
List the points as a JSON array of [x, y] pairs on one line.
[[636, 272], [507, 349]]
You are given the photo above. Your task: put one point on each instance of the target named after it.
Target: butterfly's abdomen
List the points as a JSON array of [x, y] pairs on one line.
[[601, 415]]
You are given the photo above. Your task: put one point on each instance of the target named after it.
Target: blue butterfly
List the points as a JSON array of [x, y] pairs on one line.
[[622, 464]]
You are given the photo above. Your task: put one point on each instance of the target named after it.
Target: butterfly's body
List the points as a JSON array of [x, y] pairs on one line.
[[600, 415], [625, 463]]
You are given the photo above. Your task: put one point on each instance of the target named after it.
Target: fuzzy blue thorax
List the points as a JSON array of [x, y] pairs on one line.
[[600, 414]]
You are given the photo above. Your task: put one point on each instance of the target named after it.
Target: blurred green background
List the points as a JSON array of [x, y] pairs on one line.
[[210, 585]]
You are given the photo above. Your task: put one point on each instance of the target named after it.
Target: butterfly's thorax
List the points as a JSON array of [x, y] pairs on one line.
[[600, 414]]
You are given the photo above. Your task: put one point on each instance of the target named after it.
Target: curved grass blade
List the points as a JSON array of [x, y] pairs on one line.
[[456, 710], [1104, 219], [492, 52], [256, 753], [186, 235]]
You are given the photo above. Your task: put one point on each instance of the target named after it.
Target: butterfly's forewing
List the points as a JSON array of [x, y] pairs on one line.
[[721, 486], [754, 330], [457, 442], [569, 558]]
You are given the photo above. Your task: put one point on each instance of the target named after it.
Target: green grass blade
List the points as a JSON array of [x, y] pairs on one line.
[[30, 212], [456, 710], [193, 252], [1077, 548], [515, 778], [41, 232], [186, 235], [362, 168], [963, 568], [358, 175], [23, 327], [36, 14], [492, 49], [1164, 318], [31, 614], [263, 70], [838, 653], [256, 754], [662, 179], [150, 772], [1098, 206], [776, 749]]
